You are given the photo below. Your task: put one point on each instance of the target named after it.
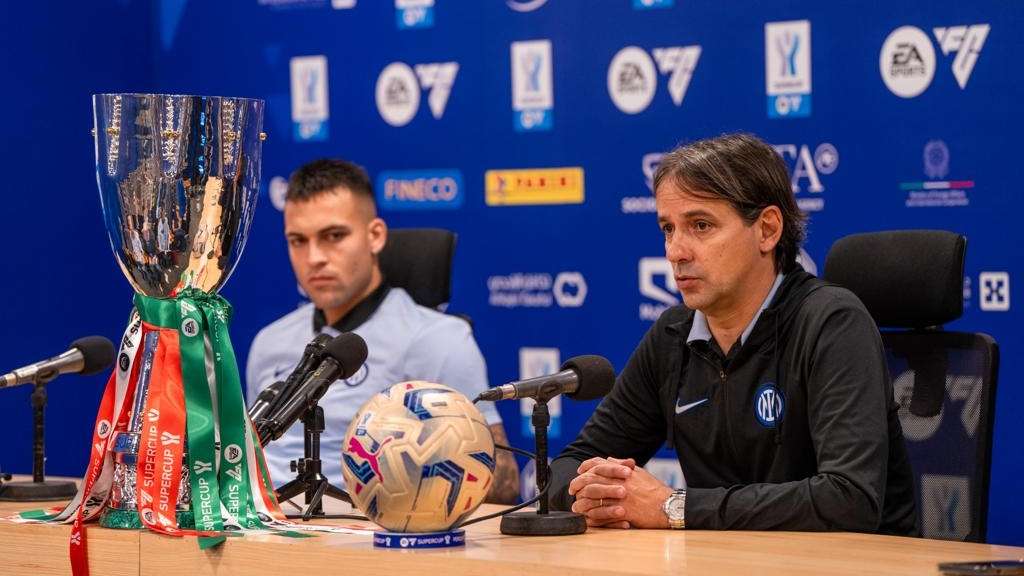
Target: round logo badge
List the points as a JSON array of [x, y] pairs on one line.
[[631, 80], [359, 377], [398, 94], [123, 362], [190, 327], [278, 189], [103, 428], [907, 61], [233, 453], [769, 405]]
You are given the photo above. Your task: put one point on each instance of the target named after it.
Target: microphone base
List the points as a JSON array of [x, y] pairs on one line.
[[48, 490], [551, 524]]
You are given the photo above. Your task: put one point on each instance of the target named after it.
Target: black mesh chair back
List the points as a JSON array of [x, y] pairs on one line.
[[419, 260], [911, 281]]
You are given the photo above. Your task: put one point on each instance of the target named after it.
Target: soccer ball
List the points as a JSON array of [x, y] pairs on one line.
[[418, 457]]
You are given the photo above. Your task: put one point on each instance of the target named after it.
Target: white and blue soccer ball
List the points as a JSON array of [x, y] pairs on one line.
[[418, 457]]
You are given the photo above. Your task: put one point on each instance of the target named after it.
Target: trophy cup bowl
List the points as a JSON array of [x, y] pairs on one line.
[[178, 178]]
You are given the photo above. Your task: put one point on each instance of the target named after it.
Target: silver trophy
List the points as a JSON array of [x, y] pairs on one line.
[[178, 178]]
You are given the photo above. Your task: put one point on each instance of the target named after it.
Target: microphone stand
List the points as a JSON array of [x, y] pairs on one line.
[[310, 477], [38, 489], [543, 522]]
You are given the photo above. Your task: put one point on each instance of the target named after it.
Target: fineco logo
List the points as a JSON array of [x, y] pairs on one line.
[[398, 90], [907, 60], [420, 189], [632, 80], [537, 290], [534, 186]]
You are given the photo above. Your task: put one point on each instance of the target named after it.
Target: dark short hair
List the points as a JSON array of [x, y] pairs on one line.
[[327, 174], [745, 172]]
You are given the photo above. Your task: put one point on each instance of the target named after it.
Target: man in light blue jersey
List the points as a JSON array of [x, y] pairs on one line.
[[334, 239]]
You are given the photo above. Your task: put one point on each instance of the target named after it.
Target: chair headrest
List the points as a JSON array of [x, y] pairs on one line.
[[905, 278], [419, 260]]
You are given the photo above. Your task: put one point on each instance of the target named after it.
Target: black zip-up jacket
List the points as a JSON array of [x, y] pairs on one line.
[[799, 429]]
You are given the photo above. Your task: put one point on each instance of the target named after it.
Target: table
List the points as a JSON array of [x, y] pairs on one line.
[[39, 550]]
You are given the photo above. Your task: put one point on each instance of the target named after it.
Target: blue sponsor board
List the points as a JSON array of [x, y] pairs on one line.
[[420, 190], [412, 540]]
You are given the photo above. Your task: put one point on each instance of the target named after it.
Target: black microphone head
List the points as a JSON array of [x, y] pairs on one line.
[[349, 350], [97, 353], [596, 376]]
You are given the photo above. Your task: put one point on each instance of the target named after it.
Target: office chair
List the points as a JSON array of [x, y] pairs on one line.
[[911, 281]]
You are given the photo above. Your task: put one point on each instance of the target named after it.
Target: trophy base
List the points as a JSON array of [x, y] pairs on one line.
[[28, 491], [129, 519]]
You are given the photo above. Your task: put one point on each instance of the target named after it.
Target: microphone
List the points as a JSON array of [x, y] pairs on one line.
[[342, 358], [265, 399], [87, 355], [311, 357], [582, 378]]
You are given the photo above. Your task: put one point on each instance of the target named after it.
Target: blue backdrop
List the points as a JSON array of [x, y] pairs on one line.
[[890, 117]]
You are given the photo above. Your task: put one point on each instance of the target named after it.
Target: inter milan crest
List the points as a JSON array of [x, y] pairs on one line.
[[769, 405]]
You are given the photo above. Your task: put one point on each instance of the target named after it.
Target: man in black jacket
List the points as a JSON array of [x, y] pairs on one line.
[[770, 383]]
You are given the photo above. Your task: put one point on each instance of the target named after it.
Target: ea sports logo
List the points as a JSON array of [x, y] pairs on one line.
[[233, 453], [190, 327], [769, 405], [631, 80], [907, 61]]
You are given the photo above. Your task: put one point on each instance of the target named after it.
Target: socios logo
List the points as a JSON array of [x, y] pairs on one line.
[[419, 189], [537, 290], [310, 109], [534, 186], [806, 170], [907, 60], [657, 284], [769, 405], [644, 204], [414, 14], [632, 80], [532, 85], [398, 90], [787, 61], [525, 5]]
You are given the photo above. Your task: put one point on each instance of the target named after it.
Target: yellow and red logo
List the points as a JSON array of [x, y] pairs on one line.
[[534, 186]]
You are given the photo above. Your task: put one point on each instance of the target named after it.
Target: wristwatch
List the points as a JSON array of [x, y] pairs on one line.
[[675, 509]]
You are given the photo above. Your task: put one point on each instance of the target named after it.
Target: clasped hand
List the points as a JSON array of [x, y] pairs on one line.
[[616, 493]]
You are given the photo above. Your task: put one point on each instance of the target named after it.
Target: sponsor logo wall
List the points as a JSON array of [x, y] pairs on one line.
[[533, 129]]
